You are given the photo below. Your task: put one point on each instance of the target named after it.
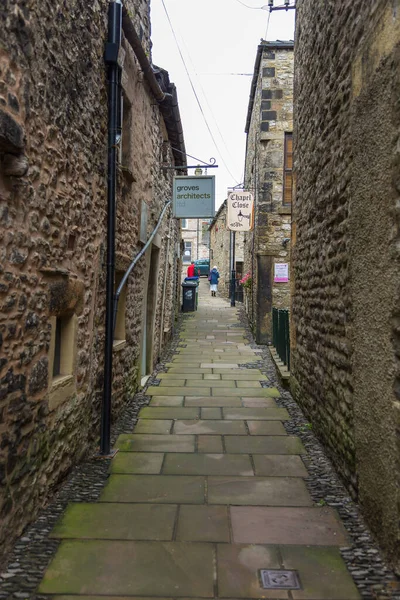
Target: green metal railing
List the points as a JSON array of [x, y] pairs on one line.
[[281, 335]]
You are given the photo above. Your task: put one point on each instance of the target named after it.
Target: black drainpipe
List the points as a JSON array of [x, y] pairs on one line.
[[111, 59]]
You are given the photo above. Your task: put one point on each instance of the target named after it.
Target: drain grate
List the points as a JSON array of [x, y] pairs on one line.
[[280, 580]]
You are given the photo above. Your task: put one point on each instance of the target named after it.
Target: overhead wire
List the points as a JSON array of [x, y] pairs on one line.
[[266, 30], [209, 108], [247, 6], [194, 91]]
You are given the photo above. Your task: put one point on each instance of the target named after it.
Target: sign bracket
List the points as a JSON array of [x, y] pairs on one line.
[[205, 166]]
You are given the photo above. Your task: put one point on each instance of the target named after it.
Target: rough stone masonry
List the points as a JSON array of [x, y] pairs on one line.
[[269, 122], [53, 161], [346, 242]]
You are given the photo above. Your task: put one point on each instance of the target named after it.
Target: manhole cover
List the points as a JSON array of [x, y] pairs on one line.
[[280, 580]]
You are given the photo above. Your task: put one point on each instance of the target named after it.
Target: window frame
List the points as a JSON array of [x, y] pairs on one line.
[[287, 171]]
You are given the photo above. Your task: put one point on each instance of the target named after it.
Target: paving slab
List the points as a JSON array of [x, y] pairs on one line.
[[279, 465], [248, 376], [258, 491], [256, 393], [187, 370], [153, 426], [256, 414], [212, 401], [155, 443], [137, 462], [210, 444], [208, 427], [175, 569], [164, 489], [177, 391], [323, 573], [175, 376], [317, 526], [264, 444], [259, 403], [208, 464], [166, 412], [266, 428], [203, 524], [247, 384], [210, 384], [212, 376], [219, 366], [116, 521], [186, 361], [234, 371], [233, 358], [238, 569], [174, 382], [166, 401], [84, 597], [211, 413], [181, 364]]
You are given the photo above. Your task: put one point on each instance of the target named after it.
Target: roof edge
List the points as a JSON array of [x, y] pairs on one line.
[[277, 45]]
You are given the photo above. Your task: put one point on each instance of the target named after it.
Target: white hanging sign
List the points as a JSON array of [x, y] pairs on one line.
[[239, 214]]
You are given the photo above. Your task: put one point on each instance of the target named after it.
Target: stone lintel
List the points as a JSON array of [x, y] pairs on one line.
[[285, 210], [268, 253]]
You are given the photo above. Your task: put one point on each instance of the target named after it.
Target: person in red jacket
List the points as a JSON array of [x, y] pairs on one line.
[[191, 271]]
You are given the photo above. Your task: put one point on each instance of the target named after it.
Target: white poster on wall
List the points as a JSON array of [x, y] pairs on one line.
[[281, 274]]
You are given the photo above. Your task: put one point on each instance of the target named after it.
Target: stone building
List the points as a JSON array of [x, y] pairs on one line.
[[220, 251], [196, 239], [53, 182], [268, 174], [346, 246]]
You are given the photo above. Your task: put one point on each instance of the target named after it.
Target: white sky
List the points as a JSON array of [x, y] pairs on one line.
[[217, 38]]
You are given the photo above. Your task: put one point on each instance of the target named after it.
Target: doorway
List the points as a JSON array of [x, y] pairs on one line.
[[149, 314]]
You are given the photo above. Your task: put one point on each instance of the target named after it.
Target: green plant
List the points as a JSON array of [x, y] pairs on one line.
[[246, 281]]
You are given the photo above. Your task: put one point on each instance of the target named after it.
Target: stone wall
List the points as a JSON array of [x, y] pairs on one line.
[[53, 180], [220, 245], [196, 232], [346, 294], [270, 116]]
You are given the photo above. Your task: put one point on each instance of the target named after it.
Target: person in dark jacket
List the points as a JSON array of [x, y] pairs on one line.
[[213, 278]]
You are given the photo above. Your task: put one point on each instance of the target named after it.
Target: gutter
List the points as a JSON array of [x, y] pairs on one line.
[[168, 100], [254, 86], [134, 41]]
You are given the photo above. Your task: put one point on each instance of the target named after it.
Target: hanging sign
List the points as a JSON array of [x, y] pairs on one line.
[[239, 214], [281, 274], [194, 197]]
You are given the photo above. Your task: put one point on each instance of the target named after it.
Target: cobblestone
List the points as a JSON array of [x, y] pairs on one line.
[[363, 557], [34, 550]]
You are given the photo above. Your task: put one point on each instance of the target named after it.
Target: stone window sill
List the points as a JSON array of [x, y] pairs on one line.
[[118, 345], [126, 173], [62, 387]]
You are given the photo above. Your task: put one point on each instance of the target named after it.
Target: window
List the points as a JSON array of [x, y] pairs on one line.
[[184, 223], [187, 253], [287, 169], [64, 346]]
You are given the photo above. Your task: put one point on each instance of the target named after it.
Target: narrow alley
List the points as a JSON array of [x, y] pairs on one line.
[[206, 498]]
